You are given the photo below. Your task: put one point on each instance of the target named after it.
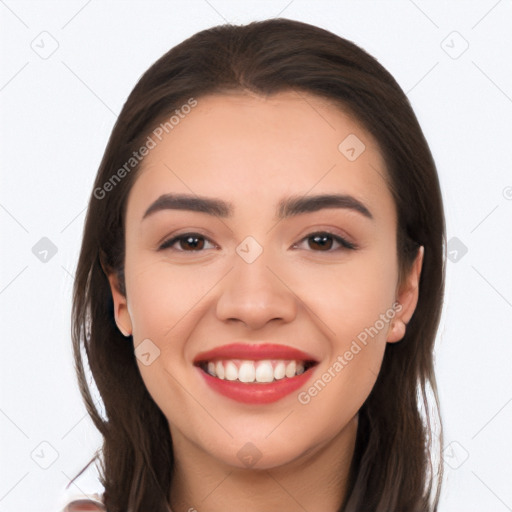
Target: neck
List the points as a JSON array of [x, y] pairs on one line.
[[316, 481]]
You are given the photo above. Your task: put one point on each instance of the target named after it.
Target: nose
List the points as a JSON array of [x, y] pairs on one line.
[[255, 294]]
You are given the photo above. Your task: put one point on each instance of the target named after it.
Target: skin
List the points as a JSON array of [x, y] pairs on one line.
[[252, 152]]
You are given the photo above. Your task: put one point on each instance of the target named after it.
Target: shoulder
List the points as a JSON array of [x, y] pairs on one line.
[[84, 505]]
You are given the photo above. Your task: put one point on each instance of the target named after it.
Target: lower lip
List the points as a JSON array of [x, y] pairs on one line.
[[256, 393]]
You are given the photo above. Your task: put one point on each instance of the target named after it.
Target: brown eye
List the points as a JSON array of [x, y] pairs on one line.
[[192, 242], [188, 242], [320, 242], [325, 242]]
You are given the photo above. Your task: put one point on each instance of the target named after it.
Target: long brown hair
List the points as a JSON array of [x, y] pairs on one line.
[[392, 468]]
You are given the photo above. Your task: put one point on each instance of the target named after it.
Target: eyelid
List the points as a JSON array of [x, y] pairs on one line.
[[335, 232], [342, 240], [170, 241]]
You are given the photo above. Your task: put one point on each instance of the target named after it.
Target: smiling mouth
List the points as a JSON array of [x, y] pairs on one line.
[[255, 372]]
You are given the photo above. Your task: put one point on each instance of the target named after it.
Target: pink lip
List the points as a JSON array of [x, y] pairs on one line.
[[255, 393], [254, 352]]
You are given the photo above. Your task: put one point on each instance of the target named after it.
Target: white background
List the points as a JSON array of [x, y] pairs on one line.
[[56, 116]]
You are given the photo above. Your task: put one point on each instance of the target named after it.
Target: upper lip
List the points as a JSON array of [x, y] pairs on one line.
[[253, 352]]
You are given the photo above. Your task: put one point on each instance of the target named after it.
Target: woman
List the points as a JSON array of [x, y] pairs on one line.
[[260, 282]]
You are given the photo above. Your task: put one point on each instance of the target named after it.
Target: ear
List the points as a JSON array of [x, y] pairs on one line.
[[407, 297], [121, 313]]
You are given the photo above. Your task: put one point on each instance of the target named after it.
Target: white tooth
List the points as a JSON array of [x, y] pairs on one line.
[[219, 370], [264, 372], [290, 369], [279, 371], [246, 372], [300, 368], [211, 368], [231, 371]]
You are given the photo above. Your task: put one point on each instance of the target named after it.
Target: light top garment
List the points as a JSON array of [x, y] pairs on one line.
[[85, 494], [85, 505], [85, 491]]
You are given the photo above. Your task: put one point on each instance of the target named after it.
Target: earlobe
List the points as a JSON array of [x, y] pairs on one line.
[[407, 297], [121, 313], [396, 331]]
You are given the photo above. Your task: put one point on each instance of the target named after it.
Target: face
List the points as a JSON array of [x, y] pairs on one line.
[[296, 250]]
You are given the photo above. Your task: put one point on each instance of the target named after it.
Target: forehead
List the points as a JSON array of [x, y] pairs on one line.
[[248, 148]]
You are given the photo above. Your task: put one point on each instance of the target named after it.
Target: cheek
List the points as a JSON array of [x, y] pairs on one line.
[[348, 298], [354, 305], [164, 306], [162, 296]]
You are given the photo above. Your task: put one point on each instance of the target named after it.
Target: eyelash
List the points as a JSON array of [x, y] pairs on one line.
[[345, 244]]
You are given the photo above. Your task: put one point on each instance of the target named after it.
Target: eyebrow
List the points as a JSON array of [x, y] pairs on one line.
[[288, 207]]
